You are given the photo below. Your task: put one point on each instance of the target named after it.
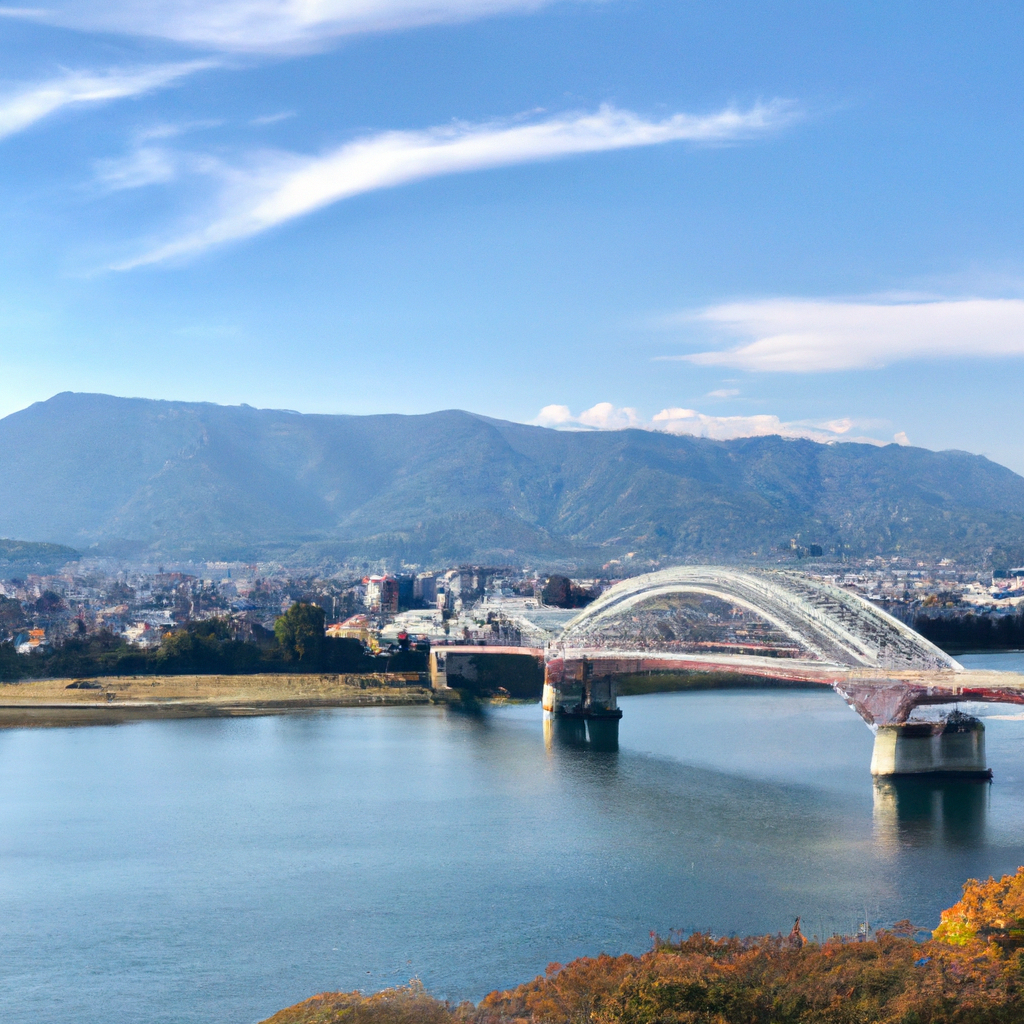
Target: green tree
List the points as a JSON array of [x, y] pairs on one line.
[[561, 592], [12, 617], [300, 632], [49, 603], [12, 665]]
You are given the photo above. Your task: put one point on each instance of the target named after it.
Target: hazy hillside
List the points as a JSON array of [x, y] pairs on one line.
[[215, 481], [20, 557]]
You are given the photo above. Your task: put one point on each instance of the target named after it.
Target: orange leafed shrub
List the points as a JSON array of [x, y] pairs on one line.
[[585, 990], [408, 1004], [991, 912], [970, 972]]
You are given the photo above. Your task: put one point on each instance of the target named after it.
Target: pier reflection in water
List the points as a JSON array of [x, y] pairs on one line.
[[930, 811], [596, 734]]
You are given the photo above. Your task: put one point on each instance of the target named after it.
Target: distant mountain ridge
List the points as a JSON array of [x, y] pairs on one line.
[[209, 481]]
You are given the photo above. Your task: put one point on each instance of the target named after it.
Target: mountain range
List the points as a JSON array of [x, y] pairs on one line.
[[142, 477]]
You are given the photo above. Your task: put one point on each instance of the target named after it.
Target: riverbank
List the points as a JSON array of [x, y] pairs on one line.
[[113, 699]]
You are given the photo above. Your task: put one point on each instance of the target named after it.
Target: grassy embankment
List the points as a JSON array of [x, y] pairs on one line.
[[107, 699], [971, 971], [120, 698]]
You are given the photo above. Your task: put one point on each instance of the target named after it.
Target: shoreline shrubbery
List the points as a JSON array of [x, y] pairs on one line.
[[971, 971]]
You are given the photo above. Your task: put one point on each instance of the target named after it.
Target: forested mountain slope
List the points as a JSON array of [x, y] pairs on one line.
[[222, 482]]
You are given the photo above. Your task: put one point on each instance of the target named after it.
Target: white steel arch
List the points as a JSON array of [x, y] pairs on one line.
[[832, 626]]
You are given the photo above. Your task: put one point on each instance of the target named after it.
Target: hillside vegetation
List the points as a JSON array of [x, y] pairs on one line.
[[207, 481], [22, 557], [970, 972]]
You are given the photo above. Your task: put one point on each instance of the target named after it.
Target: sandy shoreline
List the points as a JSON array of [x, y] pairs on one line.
[[109, 700]]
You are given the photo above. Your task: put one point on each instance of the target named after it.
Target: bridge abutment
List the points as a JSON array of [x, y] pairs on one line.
[[953, 748]]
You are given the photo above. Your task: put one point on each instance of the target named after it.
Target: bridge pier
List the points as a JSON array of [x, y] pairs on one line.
[[581, 691], [574, 691], [955, 747]]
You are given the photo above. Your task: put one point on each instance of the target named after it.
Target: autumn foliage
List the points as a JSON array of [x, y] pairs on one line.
[[970, 972], [990, 912], [408, 1004]]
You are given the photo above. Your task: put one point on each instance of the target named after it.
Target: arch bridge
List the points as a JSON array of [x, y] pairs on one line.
[[776, 625]]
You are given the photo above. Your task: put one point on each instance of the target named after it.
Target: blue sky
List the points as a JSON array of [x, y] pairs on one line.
[[718, 218]]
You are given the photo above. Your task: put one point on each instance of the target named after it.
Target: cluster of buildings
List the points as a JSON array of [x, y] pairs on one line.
[[454, 605], [463, 605], [141, 604], [910, 586], [449, 590]]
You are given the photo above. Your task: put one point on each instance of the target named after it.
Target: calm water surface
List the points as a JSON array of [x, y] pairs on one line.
[[217, 870]]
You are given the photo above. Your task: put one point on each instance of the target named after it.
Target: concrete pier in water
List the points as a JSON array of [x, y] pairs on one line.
[[954, 747]]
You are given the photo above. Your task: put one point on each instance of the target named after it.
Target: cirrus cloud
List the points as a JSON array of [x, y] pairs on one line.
[[24, 106], [817, 335], [277, 187], [260, 25]]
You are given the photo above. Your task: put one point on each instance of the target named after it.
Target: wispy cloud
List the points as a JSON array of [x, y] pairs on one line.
[[152, 162], [283, 115], [267, 25], [279, 187], [147, 165], [606, 416], [175, 129], [28, 104], [810, 335]]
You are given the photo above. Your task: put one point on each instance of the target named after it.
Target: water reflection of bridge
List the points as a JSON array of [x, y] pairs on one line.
[[774, 625], [936, 811]]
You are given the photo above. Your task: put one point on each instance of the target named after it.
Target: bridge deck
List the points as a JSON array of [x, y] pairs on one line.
[[882, 696], [535, 652]]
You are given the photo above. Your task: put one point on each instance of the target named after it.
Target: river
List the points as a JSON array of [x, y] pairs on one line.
[[216, 870]]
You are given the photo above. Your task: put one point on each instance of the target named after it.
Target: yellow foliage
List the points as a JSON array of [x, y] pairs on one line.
[[989, 912]]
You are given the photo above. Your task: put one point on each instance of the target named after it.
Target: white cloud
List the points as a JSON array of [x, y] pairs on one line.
[[726, 428], [555, 416], [724, 393], [284, 115], [278, 187], [605, 416], [31, 103], [171, 131], [148, 165], [260, 25], [807, 335]]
